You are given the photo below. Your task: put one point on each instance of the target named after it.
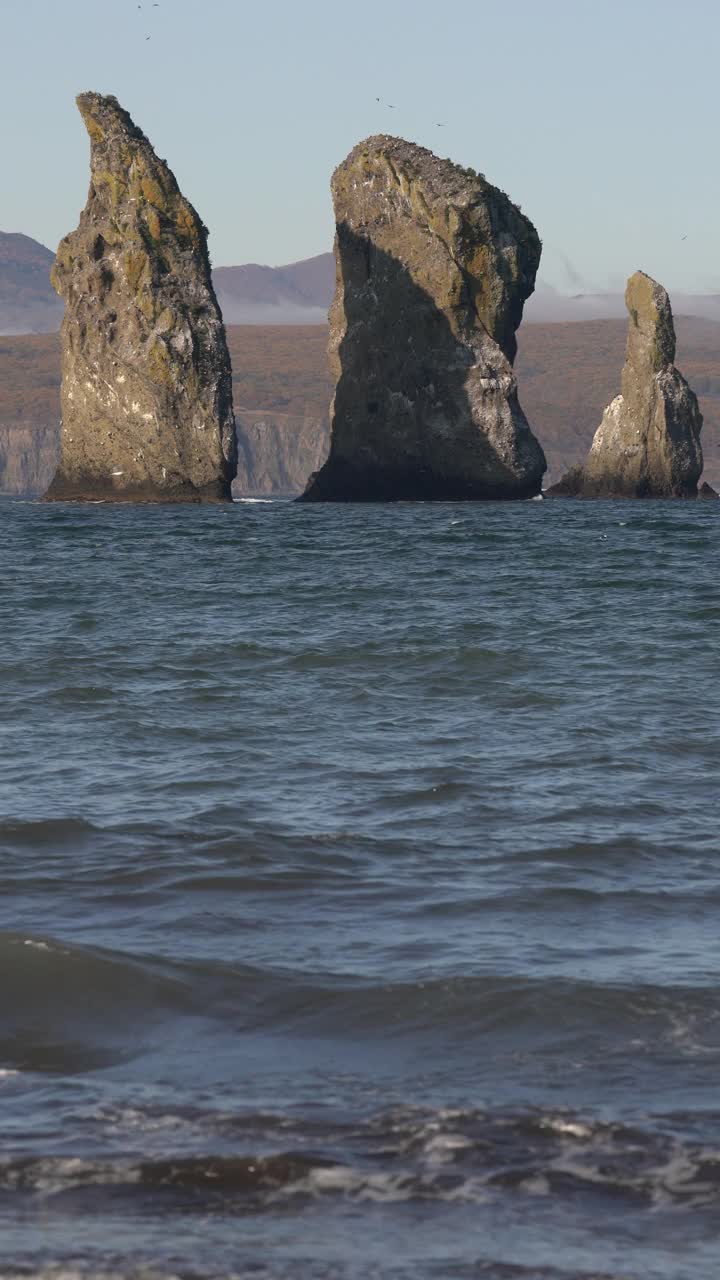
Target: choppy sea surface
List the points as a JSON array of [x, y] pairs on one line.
[[360, 891]]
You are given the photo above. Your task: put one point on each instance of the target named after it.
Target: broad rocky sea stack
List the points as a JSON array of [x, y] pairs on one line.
[[147, 412], [648, 443], [433, 267]]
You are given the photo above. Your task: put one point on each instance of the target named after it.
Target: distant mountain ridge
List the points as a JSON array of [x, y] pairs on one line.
[[298, 293], [17, 250], [28, 302]]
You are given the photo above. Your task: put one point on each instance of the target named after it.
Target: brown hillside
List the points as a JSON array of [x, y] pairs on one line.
[[567, 372], [309, 283], [28, 302]]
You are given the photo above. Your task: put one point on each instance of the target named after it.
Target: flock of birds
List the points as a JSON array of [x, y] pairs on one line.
[[154, 5], [392, 106]]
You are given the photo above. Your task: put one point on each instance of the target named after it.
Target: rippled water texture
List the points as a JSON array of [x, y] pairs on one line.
[[359, 892]]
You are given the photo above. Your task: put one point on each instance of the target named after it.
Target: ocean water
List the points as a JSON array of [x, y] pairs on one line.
[[359, 891]]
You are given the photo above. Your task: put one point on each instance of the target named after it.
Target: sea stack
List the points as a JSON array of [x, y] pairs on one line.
[[433, 267], [147, 412], [648, 443]]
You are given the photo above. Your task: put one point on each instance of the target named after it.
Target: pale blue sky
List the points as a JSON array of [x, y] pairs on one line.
[[599, 117]]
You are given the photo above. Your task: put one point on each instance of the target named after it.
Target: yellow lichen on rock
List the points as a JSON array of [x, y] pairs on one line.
[[144, 352], [114, 183], [159, 364], [152, 192], [146, 306], [136, 266], [152, 222], [93, 128], [185, 222]]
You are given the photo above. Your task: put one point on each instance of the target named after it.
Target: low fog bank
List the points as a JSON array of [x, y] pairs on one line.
[[547, 305], [235, 312]]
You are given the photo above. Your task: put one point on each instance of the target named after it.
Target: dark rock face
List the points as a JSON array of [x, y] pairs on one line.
[[706, 491], [147, 409], [433, 268], [648, 443]]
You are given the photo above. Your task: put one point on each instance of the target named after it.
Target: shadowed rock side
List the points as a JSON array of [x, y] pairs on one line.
[[147, 409], [648, 443], [433, 266]]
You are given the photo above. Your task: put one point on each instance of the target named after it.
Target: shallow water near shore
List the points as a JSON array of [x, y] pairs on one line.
[[359, 889]]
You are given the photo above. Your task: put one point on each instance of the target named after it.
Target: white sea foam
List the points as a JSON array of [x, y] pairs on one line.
[[385, 1188], [569, 1128], [443, 1146], [58, 1175], [382, 1187], [131, 1118], [537, 1185], [71, 1271]]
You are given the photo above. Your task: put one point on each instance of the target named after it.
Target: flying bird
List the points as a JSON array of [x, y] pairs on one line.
[[683, 237], [438, 125]]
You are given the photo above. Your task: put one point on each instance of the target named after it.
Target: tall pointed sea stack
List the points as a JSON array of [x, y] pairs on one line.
[[147, 411], [648, 443], [433, 266]]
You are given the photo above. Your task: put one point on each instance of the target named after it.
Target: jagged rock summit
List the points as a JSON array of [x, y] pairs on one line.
[[648, 443], [433, 267], [147, 410]]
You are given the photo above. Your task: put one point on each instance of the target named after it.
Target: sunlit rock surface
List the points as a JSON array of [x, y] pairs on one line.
[[648, 443], [147, 409]]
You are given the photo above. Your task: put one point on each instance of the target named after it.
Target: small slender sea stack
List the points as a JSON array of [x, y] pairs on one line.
[[147, 412], [433, 267], [648, 443]]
